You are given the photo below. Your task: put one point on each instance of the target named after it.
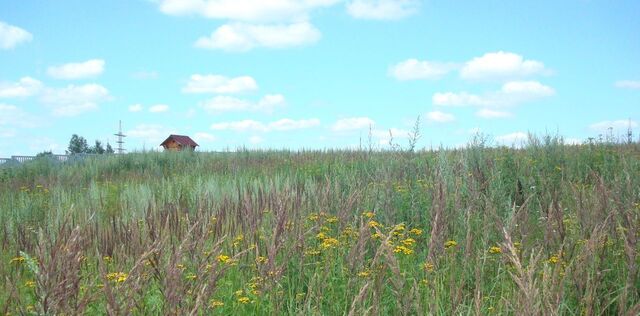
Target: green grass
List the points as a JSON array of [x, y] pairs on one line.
[[278, 232]]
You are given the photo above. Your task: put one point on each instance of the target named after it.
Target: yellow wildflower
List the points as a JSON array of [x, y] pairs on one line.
[[403, 249], [373, 224], [368, 214], [262, 259], [18, 260], [409, 242], [311, 253], [215, 303], [495, 250], [376, 236], [238, 240], [321, 235], [428, 266], [107, 259], [30, 284], [223, 258], [243, 300], [332, 219], [416, 231], [450, 244], [191, 276], [364, 273], [329, 243]]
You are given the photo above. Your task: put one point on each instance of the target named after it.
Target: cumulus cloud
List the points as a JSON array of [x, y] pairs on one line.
[[352, 123], [501, 65], [12, 36], [158, 108], [135, 108], [513, 139], [242, 37], [153, 133], [511, 93], [617, 125], [440, 117], [202, 137], [492, 114], [219, 84], [382, 9], [413, 69], [87, 69], [245, 10], [628, 84], [13, 116], [255, 126], [268, 103], [74, 100], [25, 87]]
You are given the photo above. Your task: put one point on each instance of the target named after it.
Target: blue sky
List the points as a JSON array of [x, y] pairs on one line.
[[314, 73]]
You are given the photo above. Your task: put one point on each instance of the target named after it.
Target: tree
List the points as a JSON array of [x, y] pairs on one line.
[[77, 145], [44, 154], [97, 148], [109, 149]]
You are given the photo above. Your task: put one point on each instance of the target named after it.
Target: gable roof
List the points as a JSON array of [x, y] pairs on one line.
[[181, 139]]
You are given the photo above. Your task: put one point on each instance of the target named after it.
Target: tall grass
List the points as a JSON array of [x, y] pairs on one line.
[[546, 229]]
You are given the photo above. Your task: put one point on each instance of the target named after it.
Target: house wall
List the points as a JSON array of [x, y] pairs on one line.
[[172, 145]]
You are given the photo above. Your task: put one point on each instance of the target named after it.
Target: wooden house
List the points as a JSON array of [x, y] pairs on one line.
[[178, 143]]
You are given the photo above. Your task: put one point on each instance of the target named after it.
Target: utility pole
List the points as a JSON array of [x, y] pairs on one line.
[[120, 142]]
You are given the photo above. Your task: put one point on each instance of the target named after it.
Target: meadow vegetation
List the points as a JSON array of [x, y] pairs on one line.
[[546, 229]]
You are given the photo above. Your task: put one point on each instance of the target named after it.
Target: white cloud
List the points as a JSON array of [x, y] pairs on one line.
[[203, 137], [511, 93], [11, 36], [440, 117], [242, 37], [384, 135], [145, 75], [74, 100], [491, 114], [501, 65], [382, 9], [153, 133], [352, 123], [628, 84], [413, 69], [135, 108], [255, 126], [289, 124], [158, 108], [517, 138], [219, 84], [25, 87], [11, 115], [246, 10], [219, 104], [256, 139], [88, 69], [616, 126]]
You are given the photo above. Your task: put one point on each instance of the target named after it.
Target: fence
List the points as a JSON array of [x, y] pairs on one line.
[[56, 158]]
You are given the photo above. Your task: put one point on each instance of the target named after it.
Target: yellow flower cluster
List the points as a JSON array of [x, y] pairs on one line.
[[495, 250], [17, 260], [450, 244], [117, 277], [329, 242], [224, 259], [403, 249], [215, 303]]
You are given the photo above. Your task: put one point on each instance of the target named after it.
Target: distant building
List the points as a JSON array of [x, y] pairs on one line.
[[178, 143]]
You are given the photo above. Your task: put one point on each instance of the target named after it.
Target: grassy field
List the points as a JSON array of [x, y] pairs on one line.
[[547, 229]]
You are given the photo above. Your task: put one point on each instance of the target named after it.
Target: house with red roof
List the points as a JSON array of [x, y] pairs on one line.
[[178, 143]]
